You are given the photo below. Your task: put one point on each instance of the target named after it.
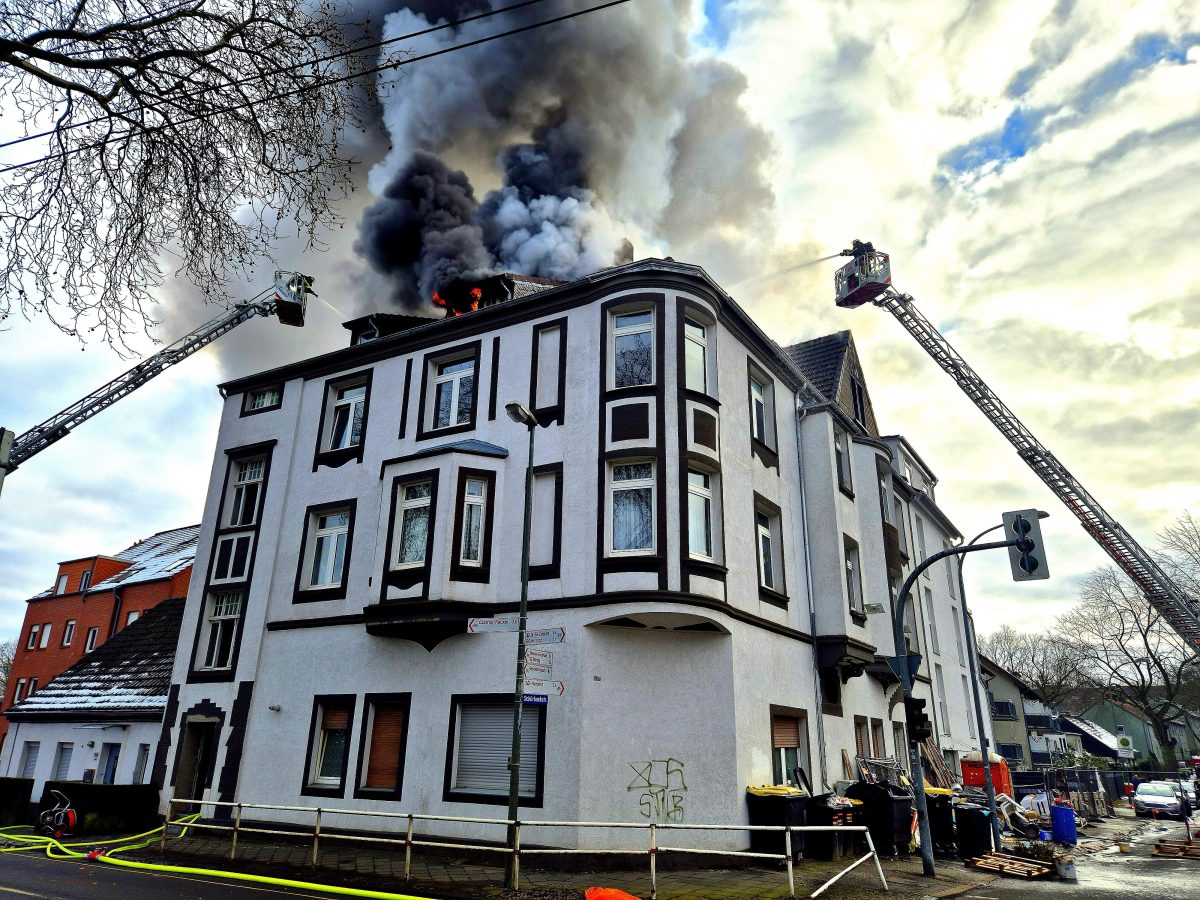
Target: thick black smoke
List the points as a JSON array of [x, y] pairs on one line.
[[582, 136]]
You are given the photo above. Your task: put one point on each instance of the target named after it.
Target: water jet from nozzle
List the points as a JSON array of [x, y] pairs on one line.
[[789, 269]]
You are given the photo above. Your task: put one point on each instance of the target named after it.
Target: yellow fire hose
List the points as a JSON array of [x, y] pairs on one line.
[[56, 849]]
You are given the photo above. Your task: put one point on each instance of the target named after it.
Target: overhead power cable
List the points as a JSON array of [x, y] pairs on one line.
[[338, 80], [364, 48]]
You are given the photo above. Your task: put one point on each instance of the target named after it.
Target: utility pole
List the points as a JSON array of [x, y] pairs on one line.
[[905, 664]]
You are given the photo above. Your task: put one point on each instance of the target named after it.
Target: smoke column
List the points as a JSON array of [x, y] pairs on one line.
[[586, 138]]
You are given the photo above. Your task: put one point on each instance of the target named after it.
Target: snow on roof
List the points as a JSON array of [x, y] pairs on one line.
[[1087, 726], [158, 556], [131, 671]]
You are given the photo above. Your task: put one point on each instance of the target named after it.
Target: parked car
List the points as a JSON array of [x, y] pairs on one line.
[[1162, 796]]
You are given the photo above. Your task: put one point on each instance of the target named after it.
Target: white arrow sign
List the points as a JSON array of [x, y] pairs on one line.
[[552, 688], [545, 636], [537, 670], [499, 623]]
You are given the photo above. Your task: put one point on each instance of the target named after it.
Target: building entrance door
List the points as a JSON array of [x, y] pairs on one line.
[[196, 751], [109, 754]]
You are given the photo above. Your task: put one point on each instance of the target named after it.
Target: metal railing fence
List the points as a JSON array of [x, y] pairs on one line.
[[409, 841]]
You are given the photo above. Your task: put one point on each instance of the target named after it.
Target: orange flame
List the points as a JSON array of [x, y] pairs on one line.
[[476, 295]]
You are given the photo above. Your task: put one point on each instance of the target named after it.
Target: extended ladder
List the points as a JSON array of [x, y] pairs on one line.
[[1179, 610]]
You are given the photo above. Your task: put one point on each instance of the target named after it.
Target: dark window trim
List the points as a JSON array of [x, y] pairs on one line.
[[319, 790], [555, 412], [403, 579], [494, 387], [846, 487], [391, 701], [301, 594], [856, 614], [404, 402], [706, 317], [245, 409], [482, 573], [775, 598], [553, 568], [195, 674], [771, 595], [767, 454], [470, 349], [335, 458], [452, 796]]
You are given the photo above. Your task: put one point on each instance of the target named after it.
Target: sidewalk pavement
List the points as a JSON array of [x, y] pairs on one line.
[[472, 875]]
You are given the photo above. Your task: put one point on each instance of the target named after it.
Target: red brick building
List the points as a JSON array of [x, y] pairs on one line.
[[93, 598]]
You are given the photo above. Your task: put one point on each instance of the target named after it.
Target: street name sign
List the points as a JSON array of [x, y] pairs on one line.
[[499, 623], [552, 688], [534, 699], [545, 636]]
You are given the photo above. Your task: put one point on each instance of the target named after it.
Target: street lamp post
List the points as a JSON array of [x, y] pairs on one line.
[[973, 662], [520, 414]]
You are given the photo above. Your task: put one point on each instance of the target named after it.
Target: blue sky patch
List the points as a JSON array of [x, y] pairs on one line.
[[1011, 142], [717, 23]]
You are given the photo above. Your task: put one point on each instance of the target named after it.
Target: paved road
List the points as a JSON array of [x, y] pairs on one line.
[[23, 875], [1111, 875]]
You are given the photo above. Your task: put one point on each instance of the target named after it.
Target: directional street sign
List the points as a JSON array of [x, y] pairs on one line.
[[545, 636], [553, 688], [535, 657], [499, 623], [537, 670]]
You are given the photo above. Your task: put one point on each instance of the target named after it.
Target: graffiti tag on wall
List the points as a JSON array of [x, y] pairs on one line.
[[660, 787]]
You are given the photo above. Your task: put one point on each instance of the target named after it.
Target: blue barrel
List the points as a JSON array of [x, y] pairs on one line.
[[1062, 821]]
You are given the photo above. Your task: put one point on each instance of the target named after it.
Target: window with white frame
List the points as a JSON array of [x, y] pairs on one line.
[[943, 710], [789, 748], [330, 534], [695, 355], [90, 644], [133, 616], [919, 540], [453, 392], [34, 630], [898, 521], [414, 524], [265, 398], [29, 757], [231, 560], [139, 766], [33, 686], [474, 501], [331, 741], [61, 587], [85, 581], [62, 761], [631, 519], [841, 452], [224, 609], [768, 544], [951, 571], [911, 631], [858, 397], [967, 700], [247, 487], [349, 408], [482, 743], [958, 636], [45, 641], [854, 593], [932, 619], [19, 693], [700, 514], [633, 348]]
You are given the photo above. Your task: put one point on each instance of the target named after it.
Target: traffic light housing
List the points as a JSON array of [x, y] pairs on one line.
[[1027, 557], [919, 727]]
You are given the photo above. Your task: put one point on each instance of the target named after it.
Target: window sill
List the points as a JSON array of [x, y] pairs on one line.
[[845, 490], [859, 618], [337, 458], [631, 562], [323, 790], [209, 676], [703, 399], [775, 598], [490, 799], [366, 793], [766, 454], [831, 709], [706, 567], [636, 390], [317, 595]]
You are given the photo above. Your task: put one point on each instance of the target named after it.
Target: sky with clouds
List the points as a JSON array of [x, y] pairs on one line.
[[1033, 170]]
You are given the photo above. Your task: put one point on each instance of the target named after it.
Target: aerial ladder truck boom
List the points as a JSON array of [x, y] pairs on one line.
[[868, 279], [287, 301]]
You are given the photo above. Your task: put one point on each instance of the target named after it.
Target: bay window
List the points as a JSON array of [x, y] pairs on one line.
[[471, 538], [695, 356], [631, 492], [414, 523], [700, 515], [633, 349]]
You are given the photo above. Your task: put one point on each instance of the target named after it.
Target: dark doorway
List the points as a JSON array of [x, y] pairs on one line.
[[197, 751]]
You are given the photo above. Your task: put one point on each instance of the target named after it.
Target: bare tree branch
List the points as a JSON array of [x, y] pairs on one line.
[[194, 131]]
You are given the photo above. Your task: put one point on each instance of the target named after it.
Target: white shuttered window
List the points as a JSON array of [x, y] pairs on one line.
[[483, 739]]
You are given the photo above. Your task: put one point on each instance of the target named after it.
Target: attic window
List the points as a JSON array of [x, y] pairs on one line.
[[860, 403]]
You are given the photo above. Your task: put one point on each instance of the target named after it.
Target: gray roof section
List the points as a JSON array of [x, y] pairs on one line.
[[820, 360], [158, 556], [129, 674]]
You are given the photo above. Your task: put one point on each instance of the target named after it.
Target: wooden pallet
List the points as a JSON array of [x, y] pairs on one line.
[[1177, 849], [1005, 864]]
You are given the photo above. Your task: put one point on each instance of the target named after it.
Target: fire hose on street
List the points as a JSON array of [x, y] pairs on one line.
[[57, 849]]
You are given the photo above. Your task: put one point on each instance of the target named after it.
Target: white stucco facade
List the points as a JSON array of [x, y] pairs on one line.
[[678, 652], [80, 751]]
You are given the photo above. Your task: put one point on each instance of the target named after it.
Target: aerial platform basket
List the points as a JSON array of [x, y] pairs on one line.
[[862, 279], [291, 297]]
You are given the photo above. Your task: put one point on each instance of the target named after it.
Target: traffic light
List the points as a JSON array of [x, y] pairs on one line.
[[919, 727], [1027, 556]]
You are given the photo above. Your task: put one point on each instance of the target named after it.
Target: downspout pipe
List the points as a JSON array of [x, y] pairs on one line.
[[818, 707], [118, 602]]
